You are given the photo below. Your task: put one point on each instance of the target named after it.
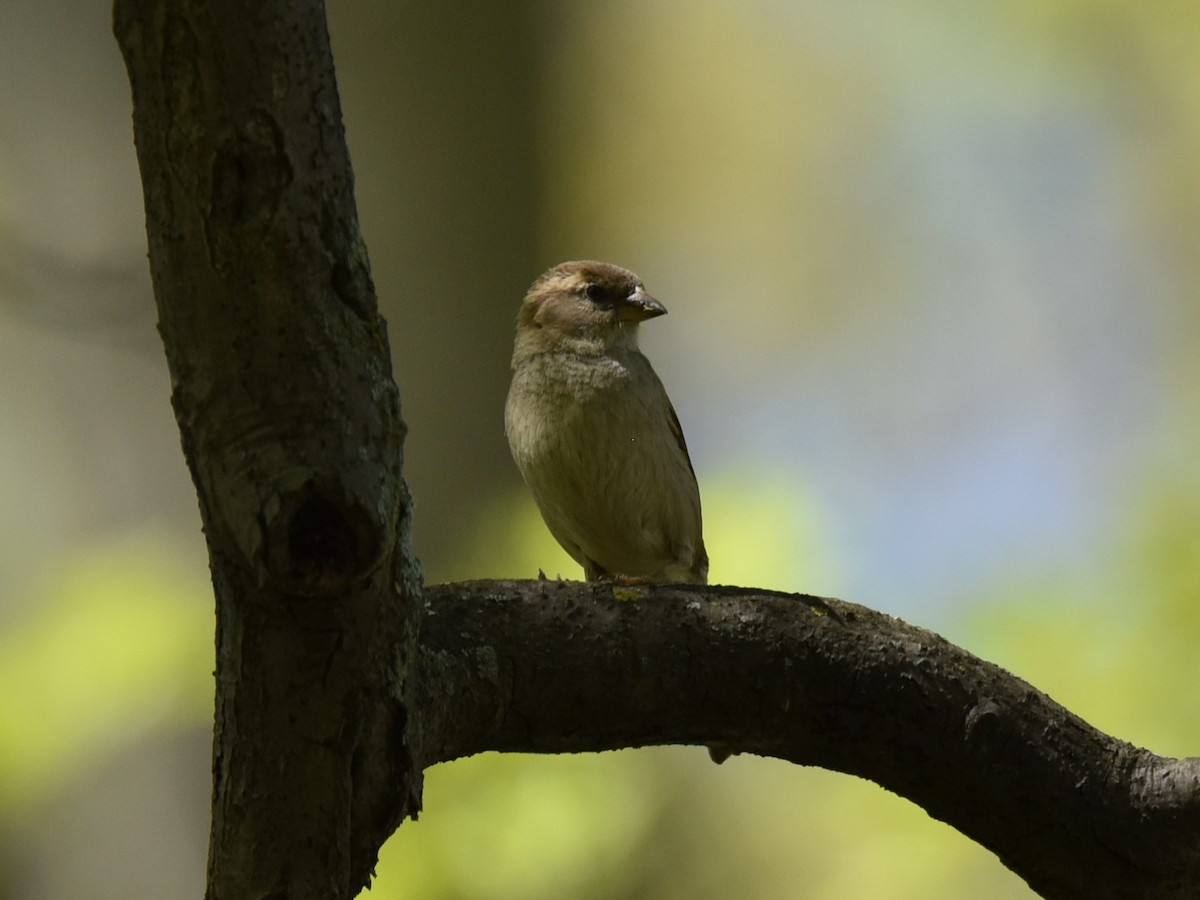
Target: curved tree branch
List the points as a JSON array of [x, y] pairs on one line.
[[551, 666]]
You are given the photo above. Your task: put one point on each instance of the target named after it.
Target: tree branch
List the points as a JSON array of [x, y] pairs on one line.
[[551, 666]]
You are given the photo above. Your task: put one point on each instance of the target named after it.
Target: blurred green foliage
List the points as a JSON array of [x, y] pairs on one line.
[[1114, 644], [116, 644]]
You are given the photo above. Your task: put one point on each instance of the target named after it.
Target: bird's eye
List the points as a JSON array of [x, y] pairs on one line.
[[591, 291]]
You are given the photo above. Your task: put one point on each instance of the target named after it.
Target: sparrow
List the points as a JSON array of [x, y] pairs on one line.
[[594, 434]]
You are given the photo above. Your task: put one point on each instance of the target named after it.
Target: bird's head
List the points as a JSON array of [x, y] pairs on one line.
[[588, 301]]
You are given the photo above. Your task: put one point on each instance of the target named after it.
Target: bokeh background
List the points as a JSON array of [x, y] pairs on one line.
[[933, 271]]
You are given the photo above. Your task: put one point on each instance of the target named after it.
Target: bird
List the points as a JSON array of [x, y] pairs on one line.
[[594, 434]]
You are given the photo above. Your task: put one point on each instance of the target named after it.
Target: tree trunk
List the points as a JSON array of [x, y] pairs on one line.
[[291, 426]]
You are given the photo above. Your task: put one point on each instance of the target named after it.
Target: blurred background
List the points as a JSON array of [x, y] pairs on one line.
[[933, 276]]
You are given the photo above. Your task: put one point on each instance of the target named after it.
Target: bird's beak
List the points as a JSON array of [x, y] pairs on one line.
[[639, 306]]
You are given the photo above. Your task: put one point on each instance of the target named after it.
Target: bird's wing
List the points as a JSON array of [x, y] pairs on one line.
[[677, 431]]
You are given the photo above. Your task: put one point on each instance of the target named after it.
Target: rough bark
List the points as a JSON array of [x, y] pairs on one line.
[[555, 667], [291, 426]]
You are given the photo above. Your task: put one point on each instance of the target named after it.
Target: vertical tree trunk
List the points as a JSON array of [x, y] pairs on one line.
[[291, 426]]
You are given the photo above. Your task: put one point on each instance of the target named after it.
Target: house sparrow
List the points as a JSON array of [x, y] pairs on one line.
[[594, 434]]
